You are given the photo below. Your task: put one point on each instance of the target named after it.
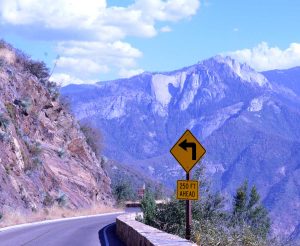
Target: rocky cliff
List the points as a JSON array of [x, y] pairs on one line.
[[44, 157]]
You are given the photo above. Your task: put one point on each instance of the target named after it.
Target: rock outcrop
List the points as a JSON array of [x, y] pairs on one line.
[[44, 157]]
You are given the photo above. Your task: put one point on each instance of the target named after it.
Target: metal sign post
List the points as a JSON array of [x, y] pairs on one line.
[[188, 214], [188, 151]]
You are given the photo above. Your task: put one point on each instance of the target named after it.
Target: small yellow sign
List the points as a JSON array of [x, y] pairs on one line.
[[187, 190], [188, 151]]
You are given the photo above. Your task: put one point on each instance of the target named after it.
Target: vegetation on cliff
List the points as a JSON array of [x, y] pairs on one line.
[[46, 160], [245, 223]]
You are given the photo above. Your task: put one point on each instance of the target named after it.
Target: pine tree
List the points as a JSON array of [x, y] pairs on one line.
[[247, 211], [123, 190], [148, 207], [240, 200]]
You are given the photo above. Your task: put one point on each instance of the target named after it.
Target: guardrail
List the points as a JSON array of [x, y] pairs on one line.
[[135, 233]]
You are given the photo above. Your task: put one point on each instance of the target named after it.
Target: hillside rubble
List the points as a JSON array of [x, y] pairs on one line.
[[44, 157]]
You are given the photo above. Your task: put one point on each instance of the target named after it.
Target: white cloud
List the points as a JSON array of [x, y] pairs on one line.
[[263, 57], [86, 58], [52, 14], [166, 29], [235, 29], [170, 10], [65, 79], [104, 49], [81, 65], [95, 18], [125, 73], [89, 34]]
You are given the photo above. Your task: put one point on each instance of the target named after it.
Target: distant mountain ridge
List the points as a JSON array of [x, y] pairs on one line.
[[249, 123], [289, 78]]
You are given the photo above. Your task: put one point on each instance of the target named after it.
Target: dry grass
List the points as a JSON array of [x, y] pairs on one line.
[[8, 55], [55, 212]]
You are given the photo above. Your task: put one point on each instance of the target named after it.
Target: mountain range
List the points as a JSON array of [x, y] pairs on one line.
[[248, 122]]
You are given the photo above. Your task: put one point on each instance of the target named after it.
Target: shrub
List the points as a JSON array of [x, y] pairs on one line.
[[36, 162], [210, 234], [3, 136], [38, 69], [248, 210], [170, 217], [62, 199], [65, 103], [34, 148], [93, 137], [246, 224], [24, 104], [149, 208], [8, 169], [4, 122], [211, 224], [48, 200], [123, 190], [51, 85], [11, 110], [53, 89], [61, 153], [33, 164], [2, 62]]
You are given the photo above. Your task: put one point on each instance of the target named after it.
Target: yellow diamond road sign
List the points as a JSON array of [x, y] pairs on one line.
[[188, 151], [187, 190]]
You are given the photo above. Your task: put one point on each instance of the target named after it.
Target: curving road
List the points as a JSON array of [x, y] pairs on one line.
[[84, 231]]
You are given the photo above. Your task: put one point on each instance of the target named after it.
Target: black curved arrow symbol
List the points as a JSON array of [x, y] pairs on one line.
[[184, 144]]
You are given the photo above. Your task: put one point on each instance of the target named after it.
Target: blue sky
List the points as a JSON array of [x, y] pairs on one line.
[[100, 40]]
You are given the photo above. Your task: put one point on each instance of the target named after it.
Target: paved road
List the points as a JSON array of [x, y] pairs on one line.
[[90, 231]]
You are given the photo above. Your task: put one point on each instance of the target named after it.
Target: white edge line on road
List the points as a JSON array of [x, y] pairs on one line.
[[55, 220], [105, 236]]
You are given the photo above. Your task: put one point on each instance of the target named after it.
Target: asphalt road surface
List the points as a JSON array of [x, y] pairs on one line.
[[88, 231]]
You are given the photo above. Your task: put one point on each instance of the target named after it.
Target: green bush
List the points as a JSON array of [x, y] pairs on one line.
[[24, 104], [38, 69], [3, 136], [149, 208], [61, 153], [93, 137], [8, 169], [65, 103], [247, 210], [62, 199], [246, 224], [34, 148], [123, 191], [36, 161], [11, 110], [170, 217], [2, 62], [4, 122], [48, 200]]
